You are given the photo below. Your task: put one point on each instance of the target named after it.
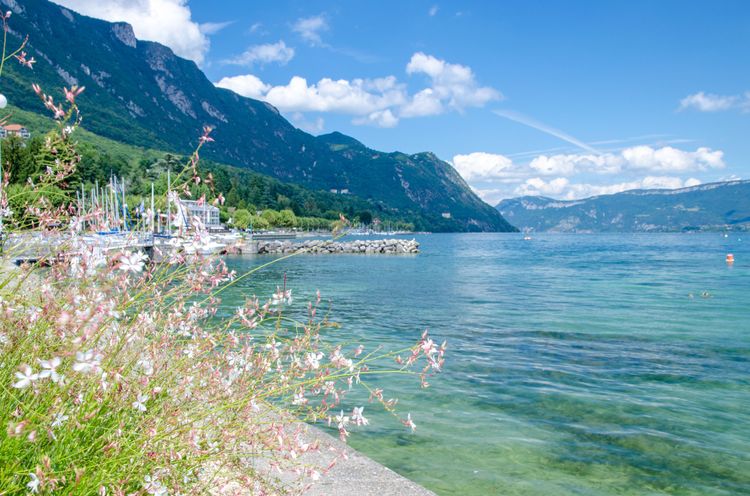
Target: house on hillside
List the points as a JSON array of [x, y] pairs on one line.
[[14, 130]]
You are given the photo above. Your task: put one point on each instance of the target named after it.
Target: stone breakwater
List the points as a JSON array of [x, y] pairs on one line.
[[369, 246]]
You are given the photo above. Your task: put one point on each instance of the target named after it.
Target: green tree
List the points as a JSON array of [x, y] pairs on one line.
[[241, 219], [259, 223], [271, 216], [365, 217], [287, 218], [19, 158]]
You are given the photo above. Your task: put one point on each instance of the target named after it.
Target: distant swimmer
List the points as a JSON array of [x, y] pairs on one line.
[[691, 295], [706, 294]]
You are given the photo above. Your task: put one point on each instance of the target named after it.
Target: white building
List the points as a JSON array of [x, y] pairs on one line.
[[14, 130], [208, 214]]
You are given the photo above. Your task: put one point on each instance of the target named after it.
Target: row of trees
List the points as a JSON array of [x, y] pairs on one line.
[[246, 192], [243, 218]]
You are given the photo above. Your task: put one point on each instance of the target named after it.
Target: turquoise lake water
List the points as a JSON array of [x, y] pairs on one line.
[[577, 364]]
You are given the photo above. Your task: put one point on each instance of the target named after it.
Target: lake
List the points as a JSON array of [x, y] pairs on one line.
[[577, 364]]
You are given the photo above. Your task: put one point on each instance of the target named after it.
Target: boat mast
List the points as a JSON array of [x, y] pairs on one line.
[[169, 204], [124, 206], [151, 220]]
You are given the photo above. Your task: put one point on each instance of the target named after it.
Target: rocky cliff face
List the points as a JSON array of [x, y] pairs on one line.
[[141, 93]]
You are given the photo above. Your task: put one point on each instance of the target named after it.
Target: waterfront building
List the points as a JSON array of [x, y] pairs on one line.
[[208, 214]]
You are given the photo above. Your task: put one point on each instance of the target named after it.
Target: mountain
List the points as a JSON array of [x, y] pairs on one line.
[[724, 205], [141, 93]]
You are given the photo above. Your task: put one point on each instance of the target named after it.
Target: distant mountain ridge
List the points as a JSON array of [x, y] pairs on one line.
[[141, 93], [711, 206]]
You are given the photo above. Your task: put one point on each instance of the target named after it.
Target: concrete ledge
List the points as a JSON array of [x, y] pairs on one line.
[[359, 475]]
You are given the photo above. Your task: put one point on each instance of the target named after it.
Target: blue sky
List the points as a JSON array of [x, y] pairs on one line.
[[565, 99]]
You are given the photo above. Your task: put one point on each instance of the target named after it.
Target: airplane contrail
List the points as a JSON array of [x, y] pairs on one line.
[[528, 121]]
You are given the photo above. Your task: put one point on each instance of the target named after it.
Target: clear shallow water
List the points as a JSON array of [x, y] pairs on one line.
[[578, 364]]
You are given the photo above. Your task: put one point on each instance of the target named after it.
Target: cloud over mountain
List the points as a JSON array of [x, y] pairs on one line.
[[496, 176], [166, 21], [380, 101]]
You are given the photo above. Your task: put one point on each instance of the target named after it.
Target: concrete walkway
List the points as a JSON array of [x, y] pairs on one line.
[[358, 475]]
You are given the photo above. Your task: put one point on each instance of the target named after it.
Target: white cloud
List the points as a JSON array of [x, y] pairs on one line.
[[562, 188], [433, 10], [209, 28], [636, 159], [539, 187], [454, 84], [709, 102], [379, 118], [369, 100], [314, 126], [355, 97], [245, 85], [425, 102], [380, 102], [264, 54], [669, 159], [540, 126], [480, 165], [166, 21], [496, 176], [310, 29]]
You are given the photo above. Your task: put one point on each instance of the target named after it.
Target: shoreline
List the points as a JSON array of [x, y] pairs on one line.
[[358, 474]]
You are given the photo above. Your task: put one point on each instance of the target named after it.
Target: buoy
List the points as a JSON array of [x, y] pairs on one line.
[[730, 258]]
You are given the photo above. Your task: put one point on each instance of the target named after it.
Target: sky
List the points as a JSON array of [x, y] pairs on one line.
[[561, 99]]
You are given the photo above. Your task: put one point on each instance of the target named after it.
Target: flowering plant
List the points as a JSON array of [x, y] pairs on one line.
[[119, 375]]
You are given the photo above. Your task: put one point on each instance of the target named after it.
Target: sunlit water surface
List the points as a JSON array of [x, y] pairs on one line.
[[578, 364]]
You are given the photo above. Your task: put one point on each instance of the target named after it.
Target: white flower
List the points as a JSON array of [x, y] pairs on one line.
[[87, 362], [299, 399], [33, 484], [103, 381], [342, 420], [132, 262], [140, 403], [280, 297], [34, 313], [312, 360], [428, 347], [146, 365], [357, 416], [409, 423], [49, 369], [3, 340], [25, 378], [152, 485], [58, 420]]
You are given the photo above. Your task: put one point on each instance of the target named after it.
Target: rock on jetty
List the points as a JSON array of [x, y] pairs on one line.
[[368, 246]]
